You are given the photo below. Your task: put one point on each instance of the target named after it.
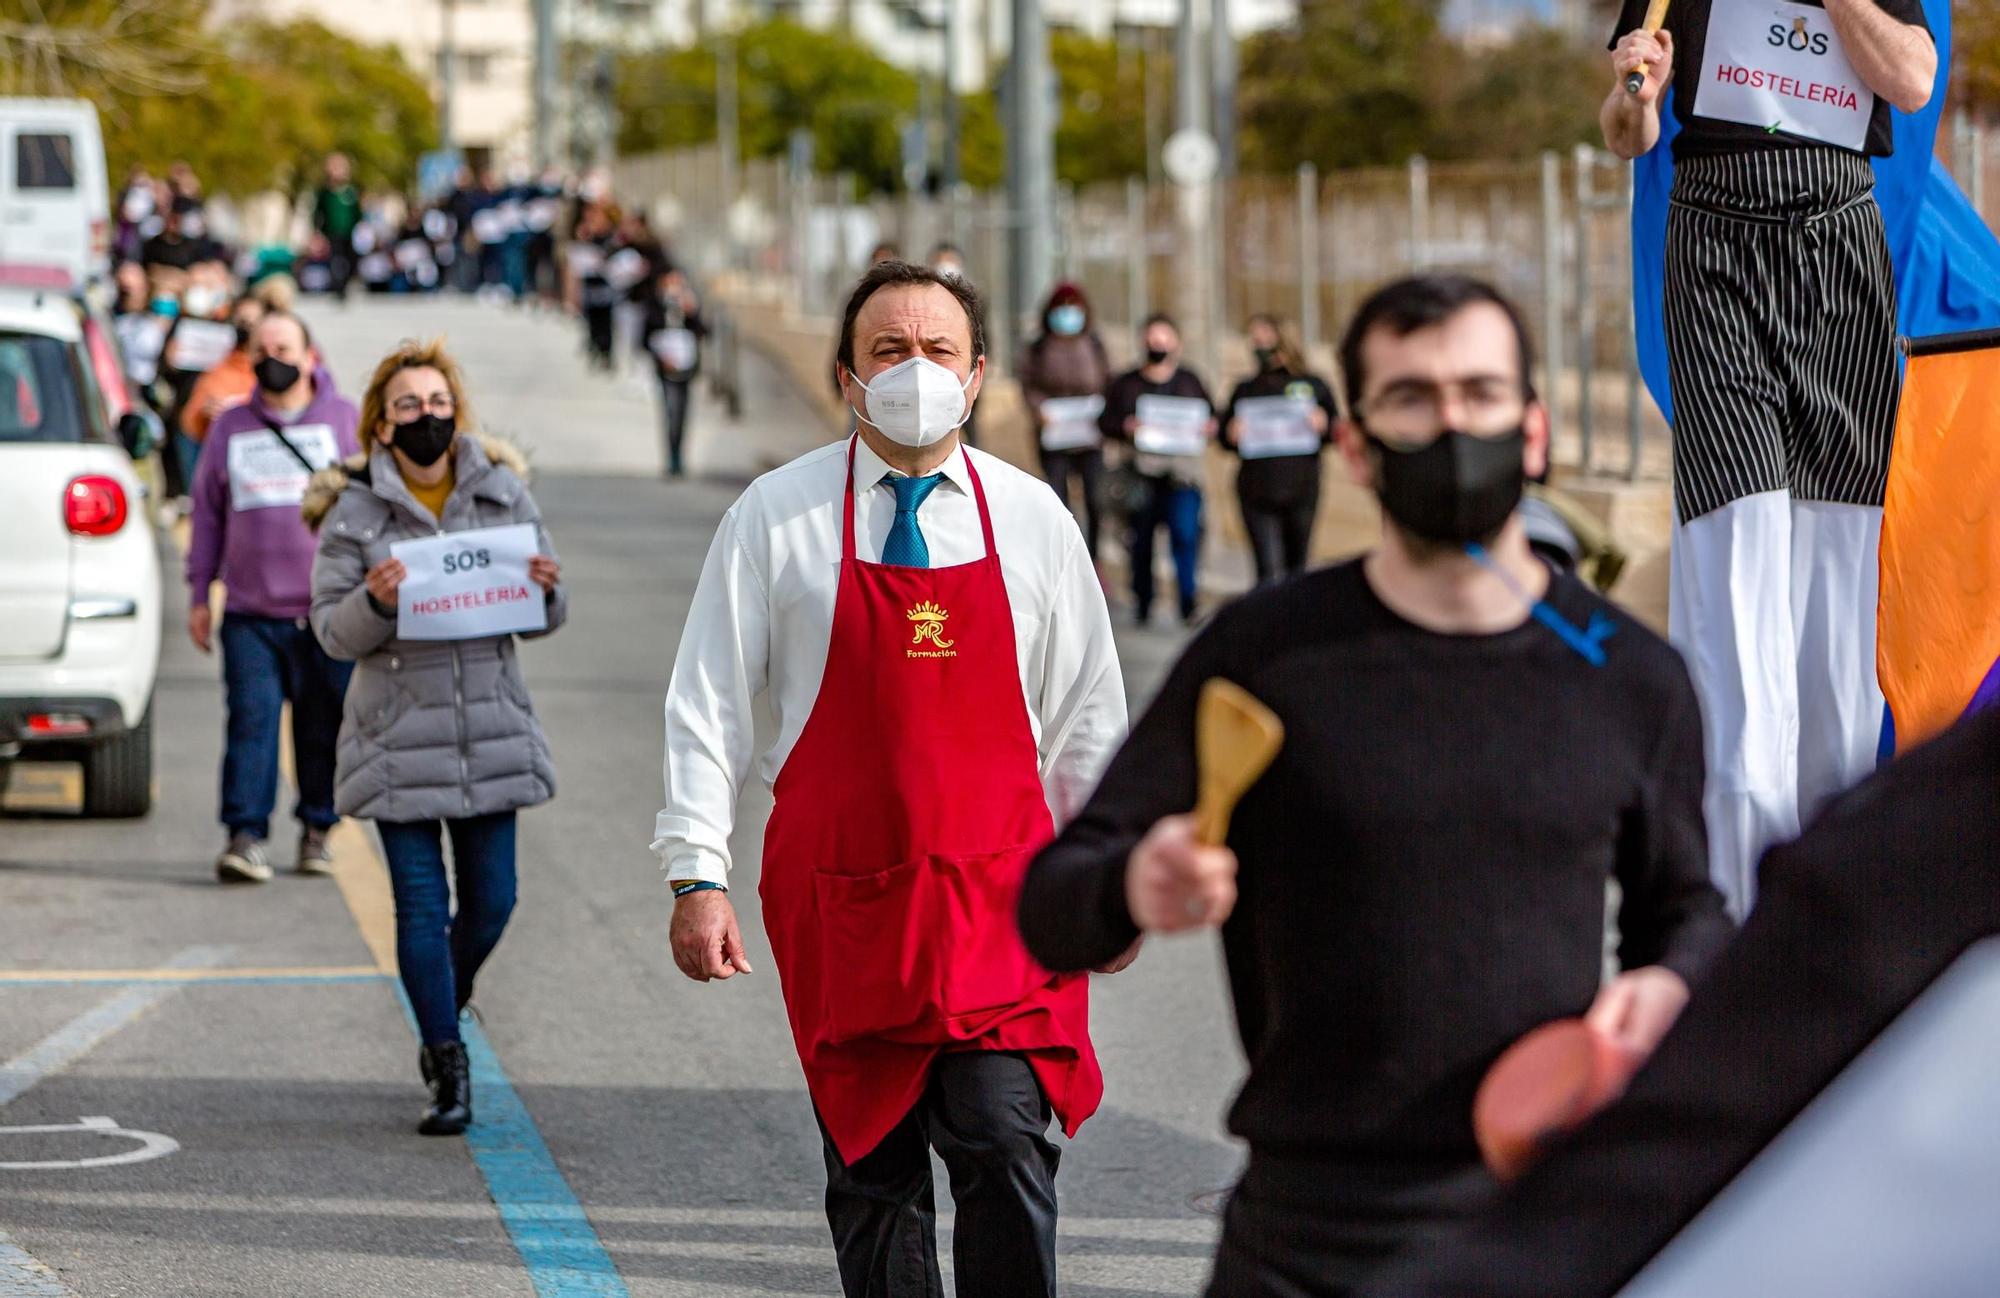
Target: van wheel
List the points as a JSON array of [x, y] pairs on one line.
[[118, 773]]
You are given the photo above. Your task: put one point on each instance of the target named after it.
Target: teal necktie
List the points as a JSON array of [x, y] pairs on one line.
[[905, 547]]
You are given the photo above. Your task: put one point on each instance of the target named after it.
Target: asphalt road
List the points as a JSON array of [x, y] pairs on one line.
[[255, 1030]]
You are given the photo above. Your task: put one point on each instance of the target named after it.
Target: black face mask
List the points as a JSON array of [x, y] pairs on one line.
[[426, 438], [274, 375], [1157, 355], [243, 332], [1267, 358], [1458, 490]]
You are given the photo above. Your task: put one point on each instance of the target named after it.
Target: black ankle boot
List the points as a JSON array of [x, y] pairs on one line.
[[450, 1077]]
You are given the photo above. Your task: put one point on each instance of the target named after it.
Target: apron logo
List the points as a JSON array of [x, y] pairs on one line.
[[927, 622]]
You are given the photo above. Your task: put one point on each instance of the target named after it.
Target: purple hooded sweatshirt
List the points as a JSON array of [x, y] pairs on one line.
[[247, 490]]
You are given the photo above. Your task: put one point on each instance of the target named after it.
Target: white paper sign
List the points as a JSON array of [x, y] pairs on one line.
[[142, 335], [626, 268], [1274, 426], [463, 585], [676, 348], [487, 227], [1781, 66], [264, 475], [198, 346], [1070, 423], [1172, 425], [585, 259]]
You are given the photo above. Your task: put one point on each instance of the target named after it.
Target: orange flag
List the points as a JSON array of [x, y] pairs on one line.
[[1938, 624]]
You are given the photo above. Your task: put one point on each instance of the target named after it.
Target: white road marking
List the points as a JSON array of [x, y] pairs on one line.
[[152, 1145], [83, 1033]]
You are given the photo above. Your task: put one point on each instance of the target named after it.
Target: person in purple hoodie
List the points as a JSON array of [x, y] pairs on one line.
[[247, 532]]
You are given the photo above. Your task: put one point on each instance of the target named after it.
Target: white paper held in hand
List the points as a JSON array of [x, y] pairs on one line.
[[1070, 423], [1274, 426], [1171, 425], [463, 585]]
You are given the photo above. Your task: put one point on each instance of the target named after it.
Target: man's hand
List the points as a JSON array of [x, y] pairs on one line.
[[543, 571], [201, 627], [1635, 1009], [1653, 51], [1173, 883], [705, 939], [385, 579]]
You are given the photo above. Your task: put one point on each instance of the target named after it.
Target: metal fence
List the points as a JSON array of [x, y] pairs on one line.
[[1551, 231]]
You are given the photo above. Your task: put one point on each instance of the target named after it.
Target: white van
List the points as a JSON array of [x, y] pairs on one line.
[[55, 200]]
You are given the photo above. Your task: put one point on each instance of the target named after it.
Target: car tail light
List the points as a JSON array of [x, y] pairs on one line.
[[57, 725], [94, 505]]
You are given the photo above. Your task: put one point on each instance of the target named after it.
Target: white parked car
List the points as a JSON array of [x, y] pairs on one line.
[[79, 557]]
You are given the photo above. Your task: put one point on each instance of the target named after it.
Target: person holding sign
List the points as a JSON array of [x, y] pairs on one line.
[[939, 665], [1781, 347], [673, 331], [248, 484], [432, 558], [1062, 373], [1277, 421], [1473, 746], [1160, 412], [232, 381]]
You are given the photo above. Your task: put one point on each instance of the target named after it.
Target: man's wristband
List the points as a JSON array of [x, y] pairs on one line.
[[697, 885]]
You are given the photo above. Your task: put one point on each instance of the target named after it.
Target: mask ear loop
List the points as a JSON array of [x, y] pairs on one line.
[[1588, 642]]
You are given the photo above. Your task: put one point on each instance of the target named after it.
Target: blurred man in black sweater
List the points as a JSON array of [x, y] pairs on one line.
[[1473, 747]]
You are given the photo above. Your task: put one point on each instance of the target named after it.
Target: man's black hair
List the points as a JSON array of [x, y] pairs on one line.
[[901, 274], [1160, 317], [1421, 302]]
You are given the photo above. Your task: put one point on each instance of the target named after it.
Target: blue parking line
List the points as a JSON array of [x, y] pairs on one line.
[[547, 1225], [556, 1241]]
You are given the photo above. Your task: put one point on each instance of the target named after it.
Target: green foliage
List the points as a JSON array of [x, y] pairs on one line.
[[1537, 91], [1352, 86], [249, 105], [1101, 133], [1370, 82], [789, 78]]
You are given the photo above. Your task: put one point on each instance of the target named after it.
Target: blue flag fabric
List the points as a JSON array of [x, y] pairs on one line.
[[1947, 261]]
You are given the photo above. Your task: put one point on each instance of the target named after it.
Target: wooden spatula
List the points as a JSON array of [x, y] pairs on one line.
[[1235, 739]]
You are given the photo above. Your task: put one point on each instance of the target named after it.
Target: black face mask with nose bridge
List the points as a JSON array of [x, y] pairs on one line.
[[426, 438], [1458, 490]]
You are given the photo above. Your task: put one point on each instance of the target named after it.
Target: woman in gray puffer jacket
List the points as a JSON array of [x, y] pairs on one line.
[[439, 738]]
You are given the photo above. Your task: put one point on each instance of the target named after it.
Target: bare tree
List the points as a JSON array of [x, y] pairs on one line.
[[103, 50]]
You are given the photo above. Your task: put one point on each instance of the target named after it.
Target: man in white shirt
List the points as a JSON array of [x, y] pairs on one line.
[[939, 661]]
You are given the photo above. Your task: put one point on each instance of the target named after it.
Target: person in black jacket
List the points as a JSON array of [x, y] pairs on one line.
[[673, 331], [1474, 746], [1278, 484], [1170, 495]]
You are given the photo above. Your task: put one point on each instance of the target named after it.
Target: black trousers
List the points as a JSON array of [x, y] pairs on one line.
[[674, 396], [1279, 537], [1294, 1230], [986, 1116], [1086, 466]]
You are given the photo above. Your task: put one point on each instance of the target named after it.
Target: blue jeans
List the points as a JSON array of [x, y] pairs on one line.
[[267, 662], [1178, 509], [440, 952]]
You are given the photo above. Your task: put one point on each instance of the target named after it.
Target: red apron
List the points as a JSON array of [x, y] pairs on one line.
[[906, 817]]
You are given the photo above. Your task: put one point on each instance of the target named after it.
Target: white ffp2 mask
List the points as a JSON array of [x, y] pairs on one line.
[[916, 402]]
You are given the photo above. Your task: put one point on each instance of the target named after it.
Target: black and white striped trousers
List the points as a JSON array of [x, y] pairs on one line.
[[1781, 329]]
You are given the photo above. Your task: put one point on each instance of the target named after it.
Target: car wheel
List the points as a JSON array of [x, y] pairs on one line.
[[118, 773]]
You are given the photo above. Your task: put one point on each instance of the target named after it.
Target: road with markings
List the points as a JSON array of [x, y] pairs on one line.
[[211, 1091]]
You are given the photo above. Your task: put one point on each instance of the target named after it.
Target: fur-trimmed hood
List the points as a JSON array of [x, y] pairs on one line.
[[325, 487]]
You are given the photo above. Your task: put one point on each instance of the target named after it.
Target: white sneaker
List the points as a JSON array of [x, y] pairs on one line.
[[243, 861]]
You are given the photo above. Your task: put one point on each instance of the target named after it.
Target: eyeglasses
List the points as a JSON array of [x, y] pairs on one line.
[[1418, 410], [440, 403]]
